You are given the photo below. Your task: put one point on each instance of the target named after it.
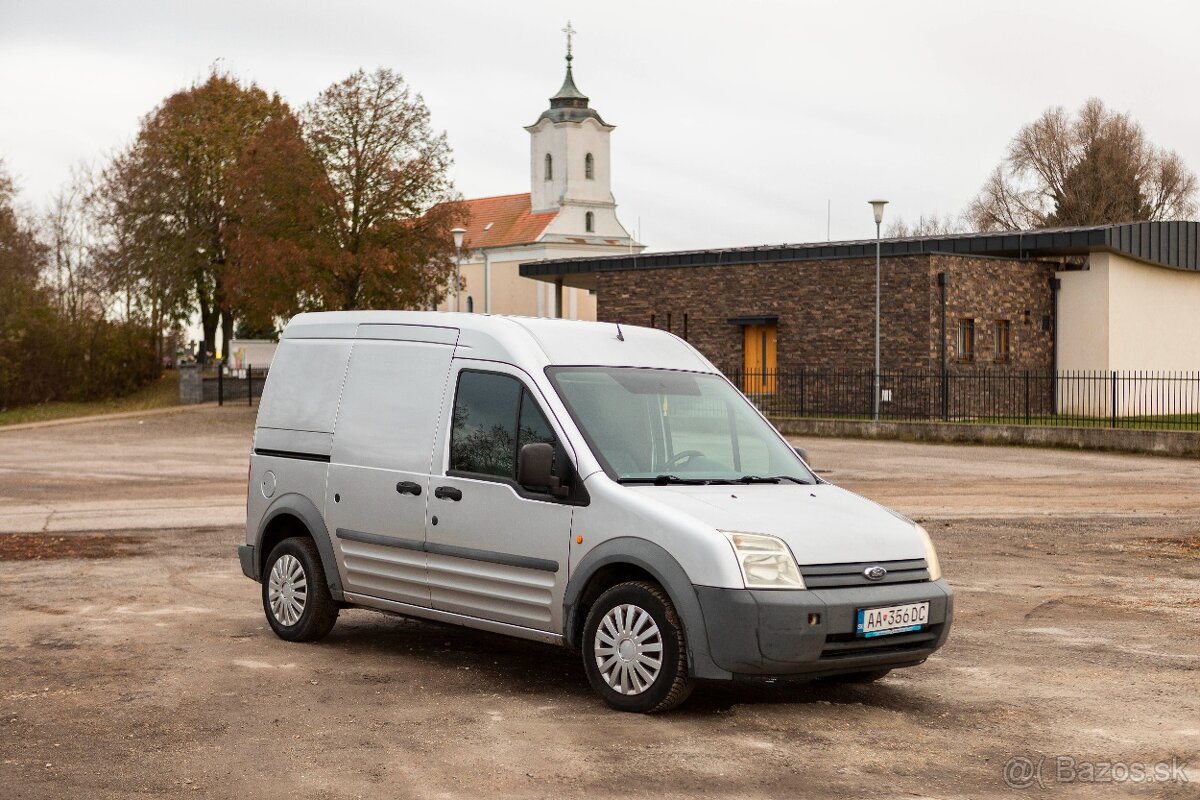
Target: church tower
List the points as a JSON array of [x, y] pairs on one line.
[[569, 165]]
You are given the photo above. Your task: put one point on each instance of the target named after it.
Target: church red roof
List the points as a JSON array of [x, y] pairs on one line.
[[503, 221]]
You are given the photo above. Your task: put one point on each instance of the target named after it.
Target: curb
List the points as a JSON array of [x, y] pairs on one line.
[[150, 412], [1171, 443]]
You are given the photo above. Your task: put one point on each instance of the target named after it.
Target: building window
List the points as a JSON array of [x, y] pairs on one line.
[[589, 167], [965, 347], [549, 167], [1002, 342], [589, 222]]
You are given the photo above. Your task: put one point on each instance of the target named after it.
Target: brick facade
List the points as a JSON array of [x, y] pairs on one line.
[[825, 345], [825, 309]]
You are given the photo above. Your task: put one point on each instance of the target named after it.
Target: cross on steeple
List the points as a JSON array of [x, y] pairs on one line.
[[569, 31]]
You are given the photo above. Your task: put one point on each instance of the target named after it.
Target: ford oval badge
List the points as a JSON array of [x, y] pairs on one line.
[[875, 573]]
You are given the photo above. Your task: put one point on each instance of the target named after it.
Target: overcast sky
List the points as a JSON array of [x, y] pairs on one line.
[[736, 121]]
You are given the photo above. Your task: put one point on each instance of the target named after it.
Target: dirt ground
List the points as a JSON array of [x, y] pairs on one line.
[[135, 660]]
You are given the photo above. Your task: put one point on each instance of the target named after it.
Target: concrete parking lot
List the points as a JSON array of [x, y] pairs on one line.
[[135, 660]]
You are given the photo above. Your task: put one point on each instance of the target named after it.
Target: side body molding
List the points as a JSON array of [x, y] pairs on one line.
[[303, 509], [669, 574]]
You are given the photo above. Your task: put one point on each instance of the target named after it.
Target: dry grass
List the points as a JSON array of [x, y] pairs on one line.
[[162, 393]]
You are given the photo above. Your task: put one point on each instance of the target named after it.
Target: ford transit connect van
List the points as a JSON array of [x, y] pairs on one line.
[[584, 484]]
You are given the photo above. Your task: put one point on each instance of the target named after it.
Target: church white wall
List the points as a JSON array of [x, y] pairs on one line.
[[568, 143]]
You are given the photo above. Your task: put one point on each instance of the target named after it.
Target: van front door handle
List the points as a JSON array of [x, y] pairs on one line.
[[447, 493], [408, 487]]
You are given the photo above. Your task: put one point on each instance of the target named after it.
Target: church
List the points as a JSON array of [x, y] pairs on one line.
[[568, 212]]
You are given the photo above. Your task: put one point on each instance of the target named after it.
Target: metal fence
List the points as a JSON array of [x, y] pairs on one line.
[[236, 384], [1127, 399]]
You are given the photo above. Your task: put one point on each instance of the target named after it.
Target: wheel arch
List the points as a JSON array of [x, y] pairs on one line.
[[631, 558], [295, 515]]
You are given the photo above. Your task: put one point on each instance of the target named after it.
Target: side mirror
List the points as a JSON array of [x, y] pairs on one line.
[[800, 451], [535, 470]]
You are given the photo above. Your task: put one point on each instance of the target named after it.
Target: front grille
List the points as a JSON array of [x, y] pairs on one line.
[[848, 645], [832, 576]]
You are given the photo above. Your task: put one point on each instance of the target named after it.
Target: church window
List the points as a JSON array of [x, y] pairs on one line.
[[589, 167], [589, 222], [549, 167]]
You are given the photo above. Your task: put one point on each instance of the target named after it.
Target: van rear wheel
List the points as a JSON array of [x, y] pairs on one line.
[[634, 651], [295, 595]]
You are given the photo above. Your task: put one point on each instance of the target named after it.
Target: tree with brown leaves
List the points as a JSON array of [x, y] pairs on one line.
[[1095, 167], [350, 209], [171, 192]]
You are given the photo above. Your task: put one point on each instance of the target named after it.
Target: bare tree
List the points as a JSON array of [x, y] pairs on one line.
[[1091, 168], [932, 225], [70, 230]]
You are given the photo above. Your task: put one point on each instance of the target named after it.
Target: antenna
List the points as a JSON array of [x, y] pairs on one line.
[[828, 216], [620, 336]]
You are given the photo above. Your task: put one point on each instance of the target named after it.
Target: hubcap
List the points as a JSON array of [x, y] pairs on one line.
[[287, 590], [628, 649]]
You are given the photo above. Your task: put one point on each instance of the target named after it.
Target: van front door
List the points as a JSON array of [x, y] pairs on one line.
[[494, 550]]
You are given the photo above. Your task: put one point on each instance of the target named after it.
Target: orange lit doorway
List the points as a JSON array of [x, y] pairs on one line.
[[758, 344]]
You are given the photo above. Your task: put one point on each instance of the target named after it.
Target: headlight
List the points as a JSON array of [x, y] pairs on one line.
[[931, 559], [766, 561]]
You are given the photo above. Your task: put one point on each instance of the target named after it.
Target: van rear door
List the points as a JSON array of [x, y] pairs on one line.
[[379, 469]]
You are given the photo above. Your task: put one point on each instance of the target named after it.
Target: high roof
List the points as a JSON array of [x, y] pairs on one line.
[[504, 221], [1166, 244]]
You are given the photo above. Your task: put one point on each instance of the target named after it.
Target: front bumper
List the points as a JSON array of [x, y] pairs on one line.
[[765, 632]]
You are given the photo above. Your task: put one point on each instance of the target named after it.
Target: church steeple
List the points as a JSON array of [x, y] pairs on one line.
[[569, 104]]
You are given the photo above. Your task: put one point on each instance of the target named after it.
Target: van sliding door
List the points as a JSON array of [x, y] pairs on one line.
[[379, 471]]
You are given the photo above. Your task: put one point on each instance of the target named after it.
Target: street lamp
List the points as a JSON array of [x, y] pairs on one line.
[[877, 207], [459, 233]]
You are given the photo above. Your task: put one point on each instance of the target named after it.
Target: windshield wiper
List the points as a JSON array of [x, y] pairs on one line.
[[772, 479], [664, 480]]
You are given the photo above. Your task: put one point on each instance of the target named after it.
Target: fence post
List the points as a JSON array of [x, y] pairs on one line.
[[1113, 385], [945, 395], [802, 391], [220, 382], [249, 385], [1026, 397]]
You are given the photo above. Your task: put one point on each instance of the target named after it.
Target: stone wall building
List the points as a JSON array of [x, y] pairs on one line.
[[1046, 302]]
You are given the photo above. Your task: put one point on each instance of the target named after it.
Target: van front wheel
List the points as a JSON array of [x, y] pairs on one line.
[[295, 595], [634, 651]]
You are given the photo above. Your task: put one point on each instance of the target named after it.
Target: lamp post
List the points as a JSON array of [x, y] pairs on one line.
[[877, 207], [459, 233]]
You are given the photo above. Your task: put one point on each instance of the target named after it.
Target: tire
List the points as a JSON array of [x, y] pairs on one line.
[[861, 677], [304, 611], [611, 654]]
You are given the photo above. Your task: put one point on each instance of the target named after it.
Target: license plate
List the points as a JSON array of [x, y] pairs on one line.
[[892, 619]]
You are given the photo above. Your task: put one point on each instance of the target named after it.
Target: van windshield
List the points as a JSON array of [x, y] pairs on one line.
[[664, 426]]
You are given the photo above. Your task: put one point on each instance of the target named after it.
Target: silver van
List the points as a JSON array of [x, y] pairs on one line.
[[583, 484]]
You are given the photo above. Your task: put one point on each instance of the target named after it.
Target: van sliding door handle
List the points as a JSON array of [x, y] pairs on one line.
[[408, 487], [447, 493]]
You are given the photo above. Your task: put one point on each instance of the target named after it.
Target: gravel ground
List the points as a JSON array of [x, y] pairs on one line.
[[135, 660]]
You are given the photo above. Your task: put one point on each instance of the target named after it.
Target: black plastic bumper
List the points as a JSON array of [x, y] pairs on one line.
[[812, 632], [249, 562]]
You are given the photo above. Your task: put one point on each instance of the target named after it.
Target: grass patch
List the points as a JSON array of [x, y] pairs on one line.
[[163, 393]]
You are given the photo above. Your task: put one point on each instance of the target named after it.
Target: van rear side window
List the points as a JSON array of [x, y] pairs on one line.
[[494, 416]]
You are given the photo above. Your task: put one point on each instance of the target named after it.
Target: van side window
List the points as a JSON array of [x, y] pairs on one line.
[[534, 429], [494, 416], [483, 433]]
